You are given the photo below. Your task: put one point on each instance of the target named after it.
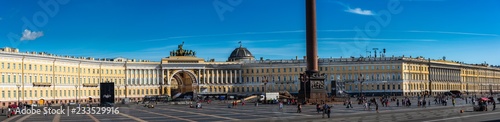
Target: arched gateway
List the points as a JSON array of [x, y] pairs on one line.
[[181, 72], [182, 81]]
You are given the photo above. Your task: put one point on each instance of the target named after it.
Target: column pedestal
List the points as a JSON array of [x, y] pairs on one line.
[[315, 91]]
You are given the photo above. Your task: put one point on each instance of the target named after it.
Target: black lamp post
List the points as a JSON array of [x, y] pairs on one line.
[[127, 92], [385, 87], [304, 78], [265, 80], [18, 86], [361, 79], [76, 93]]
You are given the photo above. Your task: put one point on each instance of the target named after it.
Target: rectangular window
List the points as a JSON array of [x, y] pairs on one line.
[[8, 65], [2, 65]]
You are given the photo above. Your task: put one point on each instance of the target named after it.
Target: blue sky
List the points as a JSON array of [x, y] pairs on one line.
[[462, 30]]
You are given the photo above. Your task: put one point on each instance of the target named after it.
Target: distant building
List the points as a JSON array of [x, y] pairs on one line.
[[42, 77]]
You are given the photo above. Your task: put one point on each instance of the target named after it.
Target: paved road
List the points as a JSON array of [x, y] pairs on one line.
[[220, 112]]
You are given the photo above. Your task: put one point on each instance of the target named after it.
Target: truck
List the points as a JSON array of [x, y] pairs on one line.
[[270, 96]]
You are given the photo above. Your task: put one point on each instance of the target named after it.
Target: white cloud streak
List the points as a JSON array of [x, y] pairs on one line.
[[355, 10], [381, 39], [456, 33], [29, 35], [360, 11]]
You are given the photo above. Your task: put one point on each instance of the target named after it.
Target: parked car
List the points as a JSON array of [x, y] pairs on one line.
[[149, 105]]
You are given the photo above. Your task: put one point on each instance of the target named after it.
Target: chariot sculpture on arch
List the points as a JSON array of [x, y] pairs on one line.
[[181, 52]]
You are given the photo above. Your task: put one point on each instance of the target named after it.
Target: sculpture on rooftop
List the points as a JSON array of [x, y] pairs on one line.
[[181, 52]]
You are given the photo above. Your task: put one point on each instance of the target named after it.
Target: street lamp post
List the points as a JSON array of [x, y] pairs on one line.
[[76, 93], [361, 79], [18, 86], [304, 79], [385, 86], [119, 92], [265, 80], [126, 91]]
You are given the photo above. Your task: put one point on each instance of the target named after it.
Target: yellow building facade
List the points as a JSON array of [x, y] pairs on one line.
[[38, 77]]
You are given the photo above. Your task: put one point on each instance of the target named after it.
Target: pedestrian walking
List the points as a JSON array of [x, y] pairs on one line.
[[299, 108], [281, 106], [329, 111], [453, 102], [494, 105], [349, 104], [397, 102], [365, 104], [317, 108], [424, 102], [325, 109]]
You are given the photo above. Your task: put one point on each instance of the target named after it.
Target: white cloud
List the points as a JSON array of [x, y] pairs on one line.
[[360, 11], [456, 33], [29, 35], [380, 39]]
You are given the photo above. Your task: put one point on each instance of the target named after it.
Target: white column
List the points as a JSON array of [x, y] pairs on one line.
[[153, 80], [204, 76], [235, 78], [231, 76], [212, 76], [132, 76], [139, 74], [226, 81], [241, 79], [168, 76], [198, 77], [222, 74], [217, 76]]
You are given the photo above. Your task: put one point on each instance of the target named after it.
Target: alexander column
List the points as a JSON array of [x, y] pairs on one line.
[[313, 83]]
